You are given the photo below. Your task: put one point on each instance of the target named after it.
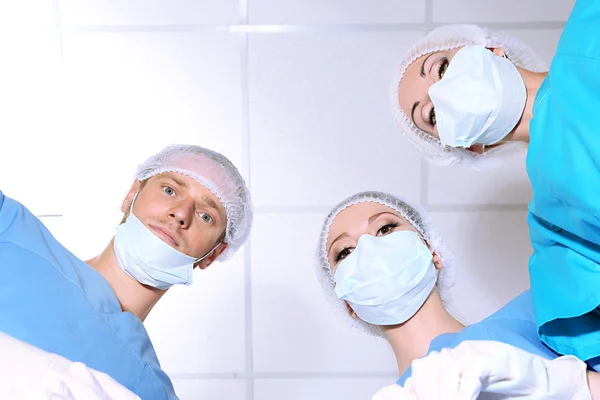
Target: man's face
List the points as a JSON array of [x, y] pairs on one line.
[[181, 212]]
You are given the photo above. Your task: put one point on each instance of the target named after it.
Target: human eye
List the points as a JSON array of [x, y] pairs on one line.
[[345, 252], [169, 190], [206, 218], [432, 119], [386, 229], [443, 67]]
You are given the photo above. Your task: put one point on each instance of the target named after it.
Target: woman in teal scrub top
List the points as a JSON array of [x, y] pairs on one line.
[[497, 101]]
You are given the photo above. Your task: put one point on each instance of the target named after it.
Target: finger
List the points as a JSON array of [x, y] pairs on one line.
[[58, 390], [82, 372], [470, 384], [450, 381]]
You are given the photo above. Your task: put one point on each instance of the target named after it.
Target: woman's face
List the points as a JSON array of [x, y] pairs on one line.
[[413, 89], [368, 218]]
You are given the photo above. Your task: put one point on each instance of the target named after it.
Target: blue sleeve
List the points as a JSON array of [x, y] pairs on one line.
[[563, 164], [155, 385], [563, 160]]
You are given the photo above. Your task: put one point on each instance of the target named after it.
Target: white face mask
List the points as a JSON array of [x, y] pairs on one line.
[[480, 98], [386, 279], [148, 259]]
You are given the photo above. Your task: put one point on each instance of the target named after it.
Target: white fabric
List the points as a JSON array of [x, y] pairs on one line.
[[215, 172], [393, 392], [28, 372], [480, 99], [495, 370], [451, 37], [386, 279], [414, 214]]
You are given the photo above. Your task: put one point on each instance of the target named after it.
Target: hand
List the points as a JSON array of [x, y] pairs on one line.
[[28, 372], [81, 382], [475, 367]]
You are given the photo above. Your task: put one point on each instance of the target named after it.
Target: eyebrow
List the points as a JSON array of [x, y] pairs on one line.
[[176, 180], [371, 219], [375, 216], [211, 203], [412, 113], [342, 236], [423, 64]]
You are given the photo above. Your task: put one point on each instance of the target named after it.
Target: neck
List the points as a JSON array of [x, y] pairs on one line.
[[132, 295], [533, 81], [411, 340]]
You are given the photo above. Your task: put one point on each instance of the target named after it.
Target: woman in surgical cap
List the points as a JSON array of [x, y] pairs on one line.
[[385, 269], [465, 95]]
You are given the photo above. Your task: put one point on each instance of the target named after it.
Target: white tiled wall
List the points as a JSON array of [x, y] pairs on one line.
[[296, 94]]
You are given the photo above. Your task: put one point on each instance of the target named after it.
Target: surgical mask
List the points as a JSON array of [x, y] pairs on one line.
[[386, 279], [148, 259], [480, 98]]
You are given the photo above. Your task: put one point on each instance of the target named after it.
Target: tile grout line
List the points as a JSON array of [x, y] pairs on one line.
[[59, 28], [424, 193], [284, 375], [293, 28], [262, 210], [245, 89]]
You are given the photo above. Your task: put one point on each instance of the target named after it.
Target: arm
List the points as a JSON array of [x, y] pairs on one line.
[[593, 380]]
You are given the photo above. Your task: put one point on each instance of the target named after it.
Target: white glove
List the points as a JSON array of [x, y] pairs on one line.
[[27, 372], [393, 392], [497, 370]]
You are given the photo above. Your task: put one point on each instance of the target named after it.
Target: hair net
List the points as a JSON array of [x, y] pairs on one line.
[[447, 38], [413, 214], [215, 172]]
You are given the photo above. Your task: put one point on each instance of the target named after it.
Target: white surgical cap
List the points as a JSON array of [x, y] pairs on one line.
[[216, 173], [417, 217], [451, 37]]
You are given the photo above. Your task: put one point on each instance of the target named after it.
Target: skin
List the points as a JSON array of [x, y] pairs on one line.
[[413, 89], [183, 214], [411, 339]]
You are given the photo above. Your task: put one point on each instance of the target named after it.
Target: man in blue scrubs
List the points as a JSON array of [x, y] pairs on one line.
[[188, 207]]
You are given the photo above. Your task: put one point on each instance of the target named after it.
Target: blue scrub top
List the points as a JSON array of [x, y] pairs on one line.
[[513, 324], [563, 164], [55, 301]]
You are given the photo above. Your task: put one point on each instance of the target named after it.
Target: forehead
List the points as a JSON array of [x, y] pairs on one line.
[[353, 217]]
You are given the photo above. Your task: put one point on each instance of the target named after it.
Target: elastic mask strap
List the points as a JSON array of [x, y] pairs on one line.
[[133, 202], [207, 254]]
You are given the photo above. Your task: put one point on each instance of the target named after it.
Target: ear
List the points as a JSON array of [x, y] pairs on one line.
[[350, 310], [437, 262], [499, 51], [130, 196], [213, 256]]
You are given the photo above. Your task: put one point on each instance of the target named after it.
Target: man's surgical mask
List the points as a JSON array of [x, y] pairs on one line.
[[386, 279], [480, 99], [148, 259]]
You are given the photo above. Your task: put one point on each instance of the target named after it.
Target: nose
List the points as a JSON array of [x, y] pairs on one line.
[[182, 212]]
